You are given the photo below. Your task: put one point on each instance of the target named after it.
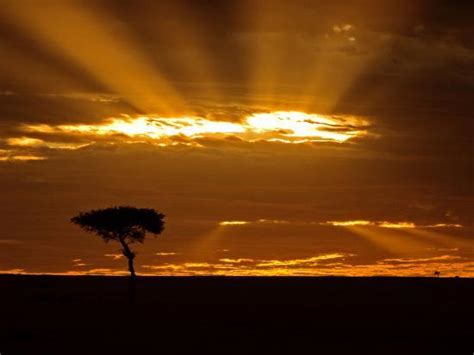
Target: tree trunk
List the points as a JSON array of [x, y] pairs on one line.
[[131, 289], [131, 268], [130, 255]]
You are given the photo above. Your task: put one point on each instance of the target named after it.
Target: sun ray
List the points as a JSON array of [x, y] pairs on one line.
[[209, 242], [396, 241], [86, 37], [195, 62], [440, 239]]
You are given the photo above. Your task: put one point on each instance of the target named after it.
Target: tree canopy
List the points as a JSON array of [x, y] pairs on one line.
[[122, 223]]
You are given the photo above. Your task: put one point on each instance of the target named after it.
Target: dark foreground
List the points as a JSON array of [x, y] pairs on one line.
[[91, 315]]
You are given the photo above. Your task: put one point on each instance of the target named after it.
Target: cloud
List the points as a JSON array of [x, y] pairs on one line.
[[343, 28], [387, 224], [445, 249], [236, 261], [99, 271], [447, 267], [446, 264], [7, 155], [255, 222], [422, 260], [347, 223], [299, 262], [233, 223], [79, 263], [39, 143], [283, 127], [13, 271], [94, 97], [115, 256]]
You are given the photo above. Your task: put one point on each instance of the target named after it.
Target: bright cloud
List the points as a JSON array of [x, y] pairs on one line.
[[38, 143], [387, 224], [348, 223], [11, 155], [114, 256], [236, 261], [297, 262], [281, 126], [233, 223], [285, 127]]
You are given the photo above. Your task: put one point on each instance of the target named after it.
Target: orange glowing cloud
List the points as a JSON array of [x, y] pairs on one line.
[[387, 224], [281, 126], [7, 155]]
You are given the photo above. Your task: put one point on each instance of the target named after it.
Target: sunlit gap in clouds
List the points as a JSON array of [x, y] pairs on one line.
[[281, 126]]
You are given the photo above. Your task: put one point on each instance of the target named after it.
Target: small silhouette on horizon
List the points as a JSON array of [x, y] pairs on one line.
[[124, 224], [437, 273]]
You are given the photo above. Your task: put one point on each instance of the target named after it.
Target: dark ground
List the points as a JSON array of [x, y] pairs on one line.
[[210, 315]]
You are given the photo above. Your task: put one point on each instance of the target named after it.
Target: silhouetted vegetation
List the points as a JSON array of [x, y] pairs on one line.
[[124, 224]]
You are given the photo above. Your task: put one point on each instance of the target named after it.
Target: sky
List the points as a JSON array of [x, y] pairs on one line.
[[278, 137]]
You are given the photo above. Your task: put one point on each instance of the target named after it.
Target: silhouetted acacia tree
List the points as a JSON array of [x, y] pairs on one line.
[[124, 224]]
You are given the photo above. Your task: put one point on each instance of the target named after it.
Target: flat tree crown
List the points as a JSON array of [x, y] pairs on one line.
[[125, 223]]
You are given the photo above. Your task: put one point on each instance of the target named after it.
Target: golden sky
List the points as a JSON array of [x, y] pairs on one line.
[[278, 137]]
